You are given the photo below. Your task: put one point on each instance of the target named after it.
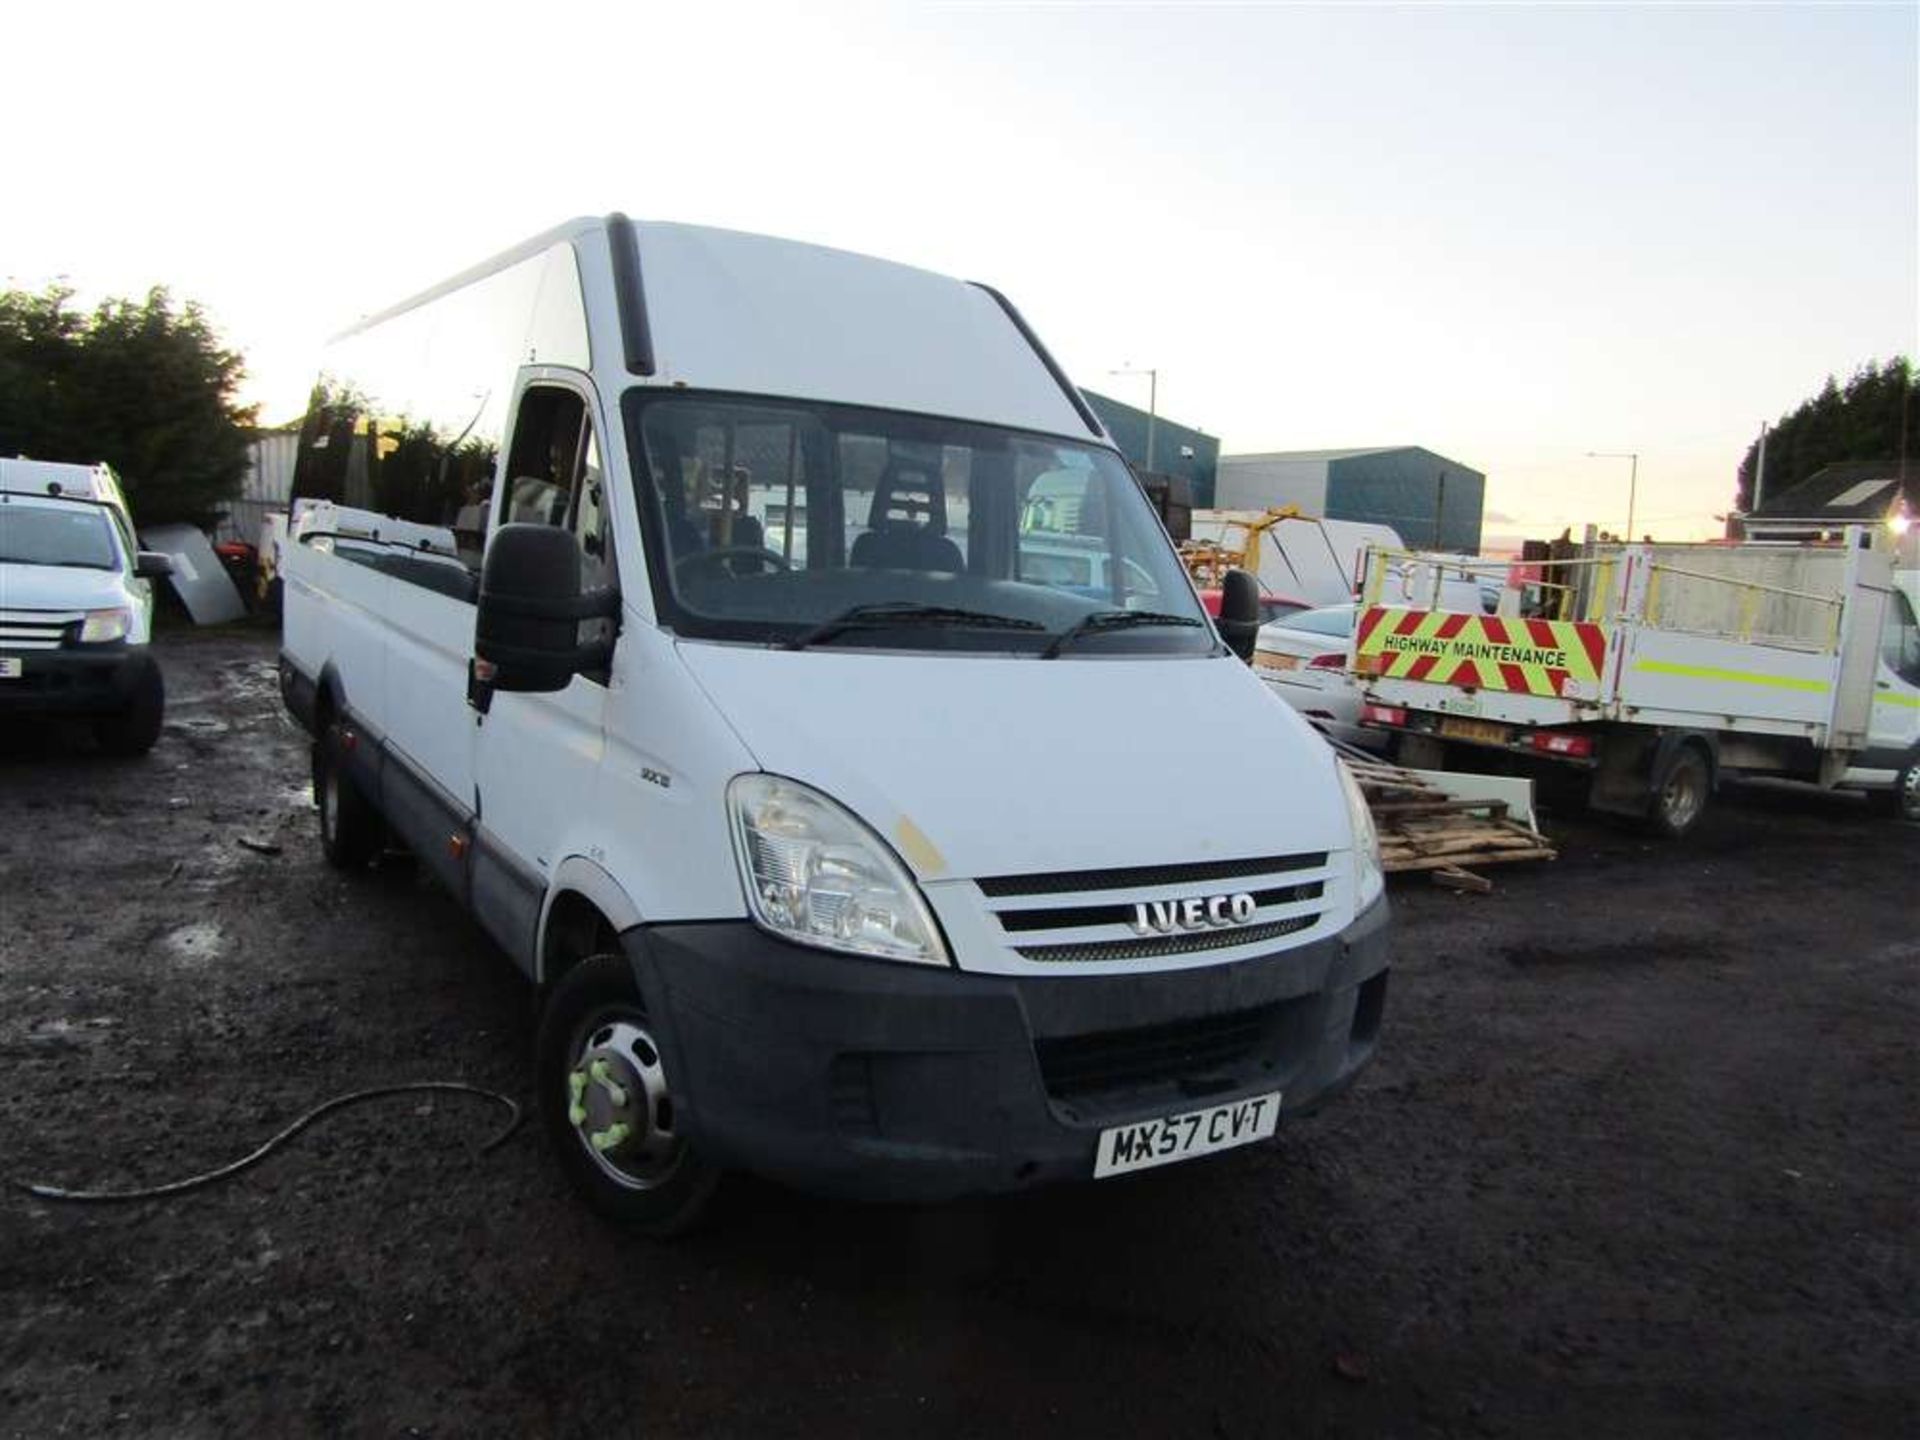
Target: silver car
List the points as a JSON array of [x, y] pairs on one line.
[[1303, 658]]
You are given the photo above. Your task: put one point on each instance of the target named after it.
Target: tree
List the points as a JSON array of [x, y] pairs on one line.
[[1875, 417], [145, 386]]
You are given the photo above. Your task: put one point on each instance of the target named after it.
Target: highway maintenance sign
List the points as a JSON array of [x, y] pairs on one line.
[[1486, 652]]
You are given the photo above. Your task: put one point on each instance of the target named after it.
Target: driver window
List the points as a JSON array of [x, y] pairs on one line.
[[555, 478], [1900, 640], [554, 474]]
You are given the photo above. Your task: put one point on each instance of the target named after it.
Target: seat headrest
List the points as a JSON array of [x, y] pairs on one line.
[[911, 495]]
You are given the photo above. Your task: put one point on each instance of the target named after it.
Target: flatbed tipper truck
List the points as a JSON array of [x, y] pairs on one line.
[[1658, 670]]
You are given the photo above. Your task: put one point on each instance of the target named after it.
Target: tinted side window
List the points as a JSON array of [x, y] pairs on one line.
[[407, 415]]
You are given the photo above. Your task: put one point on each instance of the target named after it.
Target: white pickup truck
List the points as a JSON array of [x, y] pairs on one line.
[[1658, 669], [678, 597], [76, 605]]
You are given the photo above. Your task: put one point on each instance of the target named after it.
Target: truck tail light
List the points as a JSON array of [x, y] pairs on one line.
[[1383, 715], [1335, 661], [1553, 742]]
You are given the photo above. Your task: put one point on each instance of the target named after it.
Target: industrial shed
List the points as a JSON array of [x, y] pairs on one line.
[[1155, 445], [1431, 501], [1854, 492]]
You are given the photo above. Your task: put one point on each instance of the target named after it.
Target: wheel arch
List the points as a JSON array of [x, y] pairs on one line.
[[584, 909], [1672, 742]]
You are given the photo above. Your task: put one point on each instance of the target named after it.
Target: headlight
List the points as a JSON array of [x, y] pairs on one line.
[[1368, 878], [815, 874], [104, 625]]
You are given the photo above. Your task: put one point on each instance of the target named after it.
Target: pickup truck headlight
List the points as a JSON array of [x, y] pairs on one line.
[[815, 874], [102, 626], [1368, 878]]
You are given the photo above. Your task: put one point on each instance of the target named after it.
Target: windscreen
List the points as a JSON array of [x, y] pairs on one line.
[[46, 535], [767, 520]]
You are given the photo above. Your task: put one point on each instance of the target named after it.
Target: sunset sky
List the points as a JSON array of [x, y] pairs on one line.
[[1512, 234]]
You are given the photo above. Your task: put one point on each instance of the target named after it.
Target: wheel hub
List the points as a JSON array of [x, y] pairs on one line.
[[619, 1106]]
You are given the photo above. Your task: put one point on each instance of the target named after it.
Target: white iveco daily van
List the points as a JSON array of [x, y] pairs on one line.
[[691, 604], [76, 604]]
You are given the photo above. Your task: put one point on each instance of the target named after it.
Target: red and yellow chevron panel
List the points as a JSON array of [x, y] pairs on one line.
[[1488, 652]]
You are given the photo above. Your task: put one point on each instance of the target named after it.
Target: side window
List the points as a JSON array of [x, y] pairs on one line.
[[588, 518], [554, 474], [1900, 639], [554, 477]]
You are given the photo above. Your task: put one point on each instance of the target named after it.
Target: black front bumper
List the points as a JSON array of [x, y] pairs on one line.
[[892, 1081], [96, 681]]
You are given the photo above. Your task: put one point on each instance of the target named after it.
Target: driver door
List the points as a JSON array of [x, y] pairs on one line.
[[537, 757]]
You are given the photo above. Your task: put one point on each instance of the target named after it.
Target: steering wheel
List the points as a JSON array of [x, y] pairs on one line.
[[718, 559]]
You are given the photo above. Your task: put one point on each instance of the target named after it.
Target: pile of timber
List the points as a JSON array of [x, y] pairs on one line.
[[1424, 828]]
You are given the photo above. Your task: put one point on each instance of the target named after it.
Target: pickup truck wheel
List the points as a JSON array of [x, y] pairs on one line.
[[351, 833], [603, 1091], [134, 730], [1902, 802], [1680, 793]]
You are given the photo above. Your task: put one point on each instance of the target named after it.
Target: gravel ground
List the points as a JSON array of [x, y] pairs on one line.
[[1639, 1157]]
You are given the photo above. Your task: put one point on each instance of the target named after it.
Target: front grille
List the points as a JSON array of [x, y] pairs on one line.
[[36, 629], [1152, 912], [1153, 947], [1208, 1049], [1121, 912], [1067, 882]]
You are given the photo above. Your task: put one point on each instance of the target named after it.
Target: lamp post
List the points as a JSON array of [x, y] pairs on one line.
[[1153, 403], [1633, 480]]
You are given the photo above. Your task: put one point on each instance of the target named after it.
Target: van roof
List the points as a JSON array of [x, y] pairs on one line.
[[751, 314], [97, 482]]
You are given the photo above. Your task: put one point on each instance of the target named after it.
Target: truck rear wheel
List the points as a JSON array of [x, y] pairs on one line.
[[602, 1088], [134, 730], [351, 832], [1680, 792]]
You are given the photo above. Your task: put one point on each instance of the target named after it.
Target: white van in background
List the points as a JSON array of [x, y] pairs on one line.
[[76, 605], [870, 850]]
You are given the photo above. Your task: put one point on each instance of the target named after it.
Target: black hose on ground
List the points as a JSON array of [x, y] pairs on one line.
[[327, 1107]]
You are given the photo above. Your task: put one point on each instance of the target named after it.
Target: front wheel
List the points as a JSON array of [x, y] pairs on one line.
[[605, 1096], [134, 730]]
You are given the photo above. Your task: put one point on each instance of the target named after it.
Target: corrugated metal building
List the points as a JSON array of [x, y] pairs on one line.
[[268, 483], [1433, 502], [1178, 450]]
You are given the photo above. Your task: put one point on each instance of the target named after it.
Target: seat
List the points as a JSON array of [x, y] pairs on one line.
[[907, 525]]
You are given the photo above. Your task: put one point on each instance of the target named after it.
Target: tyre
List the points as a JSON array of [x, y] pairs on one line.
[[1680, 792], [351, 831], [1902, 802], [603, 1091], [134, 730]]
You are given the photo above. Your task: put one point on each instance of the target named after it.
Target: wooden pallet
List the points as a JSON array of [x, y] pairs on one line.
[[1424, 828]]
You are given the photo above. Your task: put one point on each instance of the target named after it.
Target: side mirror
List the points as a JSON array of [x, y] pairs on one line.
[[1239, 622], [526, 632], [152, 565]]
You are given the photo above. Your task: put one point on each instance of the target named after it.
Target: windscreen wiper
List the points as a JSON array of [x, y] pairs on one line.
[[886, 614], [1100, 620]]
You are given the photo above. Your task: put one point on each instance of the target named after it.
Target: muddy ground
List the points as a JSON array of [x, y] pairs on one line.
[[1639, 1157]]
